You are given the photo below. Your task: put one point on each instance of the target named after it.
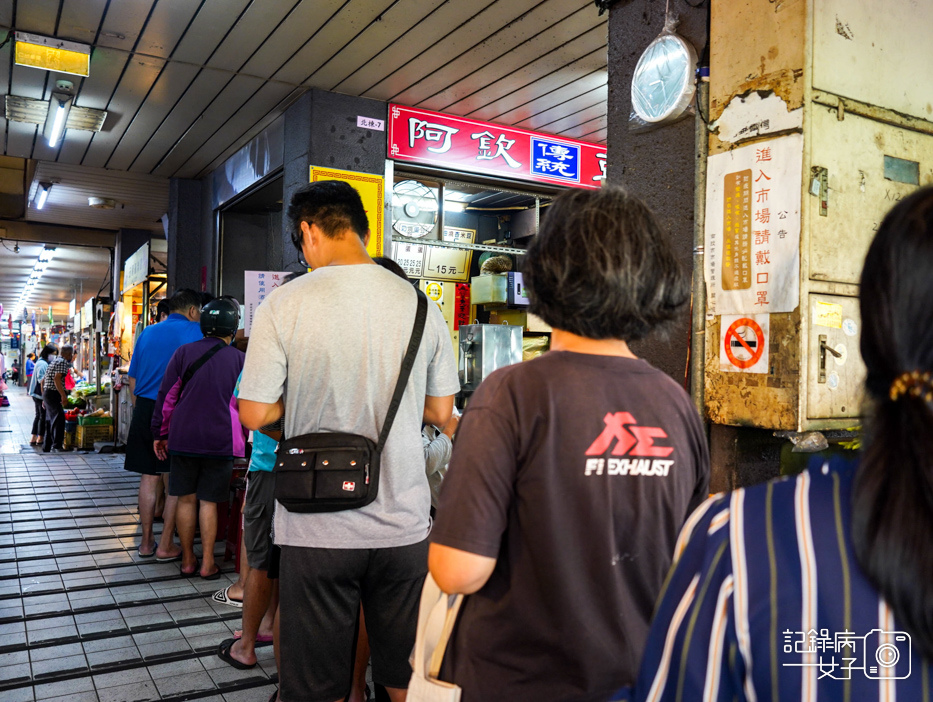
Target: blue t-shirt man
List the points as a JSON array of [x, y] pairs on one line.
[[155, 347]]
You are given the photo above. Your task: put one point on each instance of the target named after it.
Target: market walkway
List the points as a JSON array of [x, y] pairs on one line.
[[82, 617]]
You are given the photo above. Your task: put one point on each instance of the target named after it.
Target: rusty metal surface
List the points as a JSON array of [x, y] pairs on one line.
[[756, 46], [751, 399]]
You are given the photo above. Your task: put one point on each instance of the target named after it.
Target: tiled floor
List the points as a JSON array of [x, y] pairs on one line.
[[82, 617]]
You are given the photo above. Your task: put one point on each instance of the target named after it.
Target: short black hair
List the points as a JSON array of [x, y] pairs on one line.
[[601, 267], [333, 205], [162, 308], [183, 299]]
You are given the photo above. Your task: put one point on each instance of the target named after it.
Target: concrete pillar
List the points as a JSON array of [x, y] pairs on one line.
[[320, 130], [657, 166], [184, 234]]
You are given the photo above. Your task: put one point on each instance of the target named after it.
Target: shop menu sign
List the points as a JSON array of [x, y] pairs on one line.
[[469, 145], [436, 262]]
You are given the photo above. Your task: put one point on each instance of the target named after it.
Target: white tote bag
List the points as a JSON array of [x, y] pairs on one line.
[[436, 617]]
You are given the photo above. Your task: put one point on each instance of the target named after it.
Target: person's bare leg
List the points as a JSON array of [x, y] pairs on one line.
[[167, 547], [358, 691], [147, 500], [237, 590], [161, 494], [207, 516], [255, 603], [186, 515], [397, 694], [267, 625]]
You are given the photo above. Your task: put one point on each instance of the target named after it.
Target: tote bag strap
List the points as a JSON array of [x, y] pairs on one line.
[[437, 615]]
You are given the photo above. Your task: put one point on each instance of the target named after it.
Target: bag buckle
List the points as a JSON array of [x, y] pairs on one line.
[[295, 451], [366, 474]]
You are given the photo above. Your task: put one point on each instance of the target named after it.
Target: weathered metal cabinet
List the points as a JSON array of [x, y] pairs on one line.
[[849, 78]]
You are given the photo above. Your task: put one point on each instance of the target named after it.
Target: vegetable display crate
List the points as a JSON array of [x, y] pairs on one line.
[[94, 421], [87, 435]]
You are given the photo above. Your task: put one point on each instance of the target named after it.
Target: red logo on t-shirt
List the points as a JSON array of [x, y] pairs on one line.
[[349, 486], [630, 439]]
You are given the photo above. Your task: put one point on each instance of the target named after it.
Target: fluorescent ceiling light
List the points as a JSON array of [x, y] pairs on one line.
[[42, 195], [453, 206], [55, 120], [47, 254]]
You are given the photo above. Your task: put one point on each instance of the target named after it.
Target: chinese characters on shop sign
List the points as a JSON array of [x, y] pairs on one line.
[[473, 146], [753, 228]]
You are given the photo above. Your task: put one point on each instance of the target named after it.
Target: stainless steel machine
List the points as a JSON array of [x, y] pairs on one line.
[[484, 348]]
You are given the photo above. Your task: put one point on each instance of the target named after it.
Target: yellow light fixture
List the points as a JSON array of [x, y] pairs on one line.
[[51, 54]]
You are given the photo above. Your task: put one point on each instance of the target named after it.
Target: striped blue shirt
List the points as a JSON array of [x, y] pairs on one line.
[[767, 602]]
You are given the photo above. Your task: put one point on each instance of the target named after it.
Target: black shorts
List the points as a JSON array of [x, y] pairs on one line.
[[321, 590], [257, 518], [140, 457], [205, 476]]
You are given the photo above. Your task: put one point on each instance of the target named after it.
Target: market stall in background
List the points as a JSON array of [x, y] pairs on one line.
[[143, 284], [466, 198]]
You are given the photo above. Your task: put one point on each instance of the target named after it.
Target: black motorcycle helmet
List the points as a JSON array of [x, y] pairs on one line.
[[220, 317]]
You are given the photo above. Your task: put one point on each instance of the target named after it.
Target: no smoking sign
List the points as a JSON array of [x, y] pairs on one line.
[[743, 346]]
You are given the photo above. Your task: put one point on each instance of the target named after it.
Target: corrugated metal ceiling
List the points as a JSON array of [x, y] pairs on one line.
[[186, 82]]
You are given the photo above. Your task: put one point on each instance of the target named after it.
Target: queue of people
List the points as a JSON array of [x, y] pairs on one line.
[[574, 516]]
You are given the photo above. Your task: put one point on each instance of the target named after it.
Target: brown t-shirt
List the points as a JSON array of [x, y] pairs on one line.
[[576, 472]]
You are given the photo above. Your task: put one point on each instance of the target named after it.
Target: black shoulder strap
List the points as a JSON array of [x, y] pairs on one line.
[[193, 368], [416, 333]]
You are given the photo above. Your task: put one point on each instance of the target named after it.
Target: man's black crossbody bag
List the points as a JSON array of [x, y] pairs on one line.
[[331, 472]]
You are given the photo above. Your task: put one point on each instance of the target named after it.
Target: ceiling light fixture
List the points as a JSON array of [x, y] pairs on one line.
[[57, 116], [42, 194], [52, 54], [45, 258]]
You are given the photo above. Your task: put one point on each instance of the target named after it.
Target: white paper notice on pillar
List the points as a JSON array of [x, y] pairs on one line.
[[743, 343], [257, 285], [753, 228]]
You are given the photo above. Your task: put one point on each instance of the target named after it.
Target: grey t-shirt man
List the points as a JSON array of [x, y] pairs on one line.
[[331, 343]]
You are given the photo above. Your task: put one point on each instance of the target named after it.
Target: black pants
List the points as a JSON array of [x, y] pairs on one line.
[[55, 416], [38, 424]]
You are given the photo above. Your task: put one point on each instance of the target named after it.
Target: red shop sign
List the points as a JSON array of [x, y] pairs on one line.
[[483, 147]]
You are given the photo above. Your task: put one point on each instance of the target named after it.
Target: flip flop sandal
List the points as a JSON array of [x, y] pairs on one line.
[[223, 653], [167, 559], [139, 552], [223, 597], [213, 576], [193, 573]]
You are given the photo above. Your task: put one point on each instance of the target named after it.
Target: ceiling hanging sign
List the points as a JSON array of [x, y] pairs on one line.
[[753, 228], [744, 344], [468, 145], [52, 54], [136, 268]]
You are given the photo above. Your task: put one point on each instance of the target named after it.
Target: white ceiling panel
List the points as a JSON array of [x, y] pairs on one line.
[[208, 28], [166, 26], [539, 56], [343, 26], [392, 26], [140, 200], [445, 22], [301, 24], [123, 24], [82, 17], [188, 82], [186, 113]]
